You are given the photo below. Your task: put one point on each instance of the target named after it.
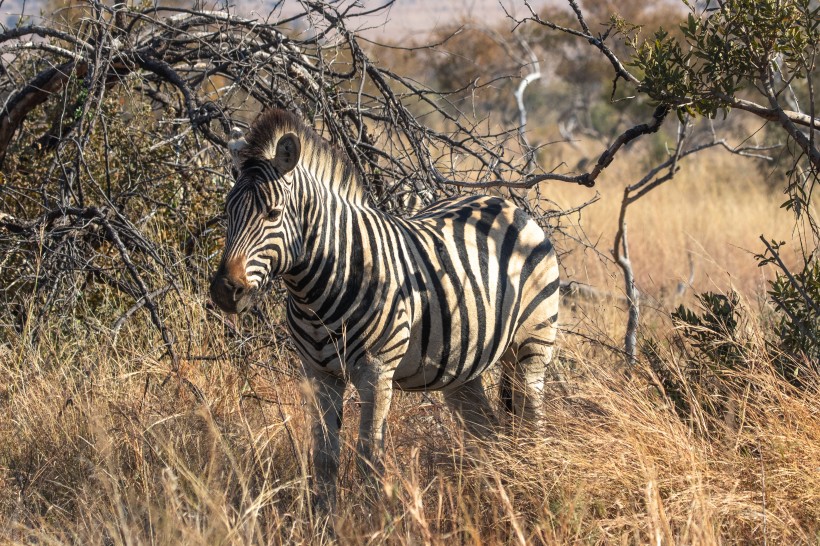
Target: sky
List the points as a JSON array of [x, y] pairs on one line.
[[404, 20]]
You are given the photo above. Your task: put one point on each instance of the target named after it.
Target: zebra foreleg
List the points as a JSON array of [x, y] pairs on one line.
[[374, 384], [469, 402], [328, 396]]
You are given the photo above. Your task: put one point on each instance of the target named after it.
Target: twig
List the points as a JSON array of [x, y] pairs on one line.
[[798, 286], [141, 302]]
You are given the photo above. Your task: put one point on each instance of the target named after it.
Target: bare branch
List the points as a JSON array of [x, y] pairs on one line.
[[620, 250], [620, 253], [585, 33], [775, 113], [533, 75], [789, 125], [35, 93], [586, 179], [792, 280]]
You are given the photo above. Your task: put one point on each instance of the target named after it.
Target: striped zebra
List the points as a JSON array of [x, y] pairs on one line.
[[424, 303]]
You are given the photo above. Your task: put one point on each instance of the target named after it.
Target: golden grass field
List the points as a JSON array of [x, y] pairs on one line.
[[715, 209], [102, 442]]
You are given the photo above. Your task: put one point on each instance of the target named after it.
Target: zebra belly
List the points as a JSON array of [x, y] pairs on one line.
[[446, 350], [428, 360], [427, 372]]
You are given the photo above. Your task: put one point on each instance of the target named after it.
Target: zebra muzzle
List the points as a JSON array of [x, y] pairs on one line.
[[229, 294]]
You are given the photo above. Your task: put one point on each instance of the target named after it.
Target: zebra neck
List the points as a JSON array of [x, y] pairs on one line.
[[332, 246]]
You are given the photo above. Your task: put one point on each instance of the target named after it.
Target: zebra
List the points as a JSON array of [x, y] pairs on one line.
[[421, 303]]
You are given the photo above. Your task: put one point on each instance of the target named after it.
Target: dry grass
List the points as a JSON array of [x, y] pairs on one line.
[[101, 445], [715, 209]]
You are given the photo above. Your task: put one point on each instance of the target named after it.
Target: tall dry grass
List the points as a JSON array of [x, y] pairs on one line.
[[704, 223], [100, 443]]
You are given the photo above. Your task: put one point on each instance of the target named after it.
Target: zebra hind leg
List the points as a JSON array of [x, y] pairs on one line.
[[521, 388], [469, 402]]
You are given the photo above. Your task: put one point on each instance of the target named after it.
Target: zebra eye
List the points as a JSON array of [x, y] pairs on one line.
[[274, 214]]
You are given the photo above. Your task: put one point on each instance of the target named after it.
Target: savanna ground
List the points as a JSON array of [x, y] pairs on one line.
[[702, 441]]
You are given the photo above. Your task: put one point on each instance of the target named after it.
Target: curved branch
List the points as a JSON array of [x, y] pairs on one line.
[[29, 46], [35, 93], [789, 126], [43, 32], [772, 114], [585, 179]]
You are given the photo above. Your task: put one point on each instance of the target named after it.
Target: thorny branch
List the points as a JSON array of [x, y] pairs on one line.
[[122, 119]]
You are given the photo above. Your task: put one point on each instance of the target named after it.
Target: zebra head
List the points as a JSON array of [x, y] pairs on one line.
[[263, 238]]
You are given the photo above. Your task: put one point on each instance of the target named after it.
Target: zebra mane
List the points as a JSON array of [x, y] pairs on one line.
[[324, 160]]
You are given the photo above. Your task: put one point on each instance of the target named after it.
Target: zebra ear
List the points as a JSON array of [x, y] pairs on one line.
[[288, 150], [235, 146]]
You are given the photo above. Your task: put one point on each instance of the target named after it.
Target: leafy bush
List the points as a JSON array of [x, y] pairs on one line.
[[698, 378], [714, 333], [716, 352], [797, 329]]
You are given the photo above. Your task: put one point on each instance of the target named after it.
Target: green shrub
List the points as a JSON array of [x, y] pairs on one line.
[[713, 333], [797, 329]]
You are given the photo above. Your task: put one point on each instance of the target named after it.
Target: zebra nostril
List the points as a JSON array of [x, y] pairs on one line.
[[227, 290], [237, 292]]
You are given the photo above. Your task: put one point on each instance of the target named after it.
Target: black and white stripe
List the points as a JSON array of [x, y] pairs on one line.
[[428, 302]]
